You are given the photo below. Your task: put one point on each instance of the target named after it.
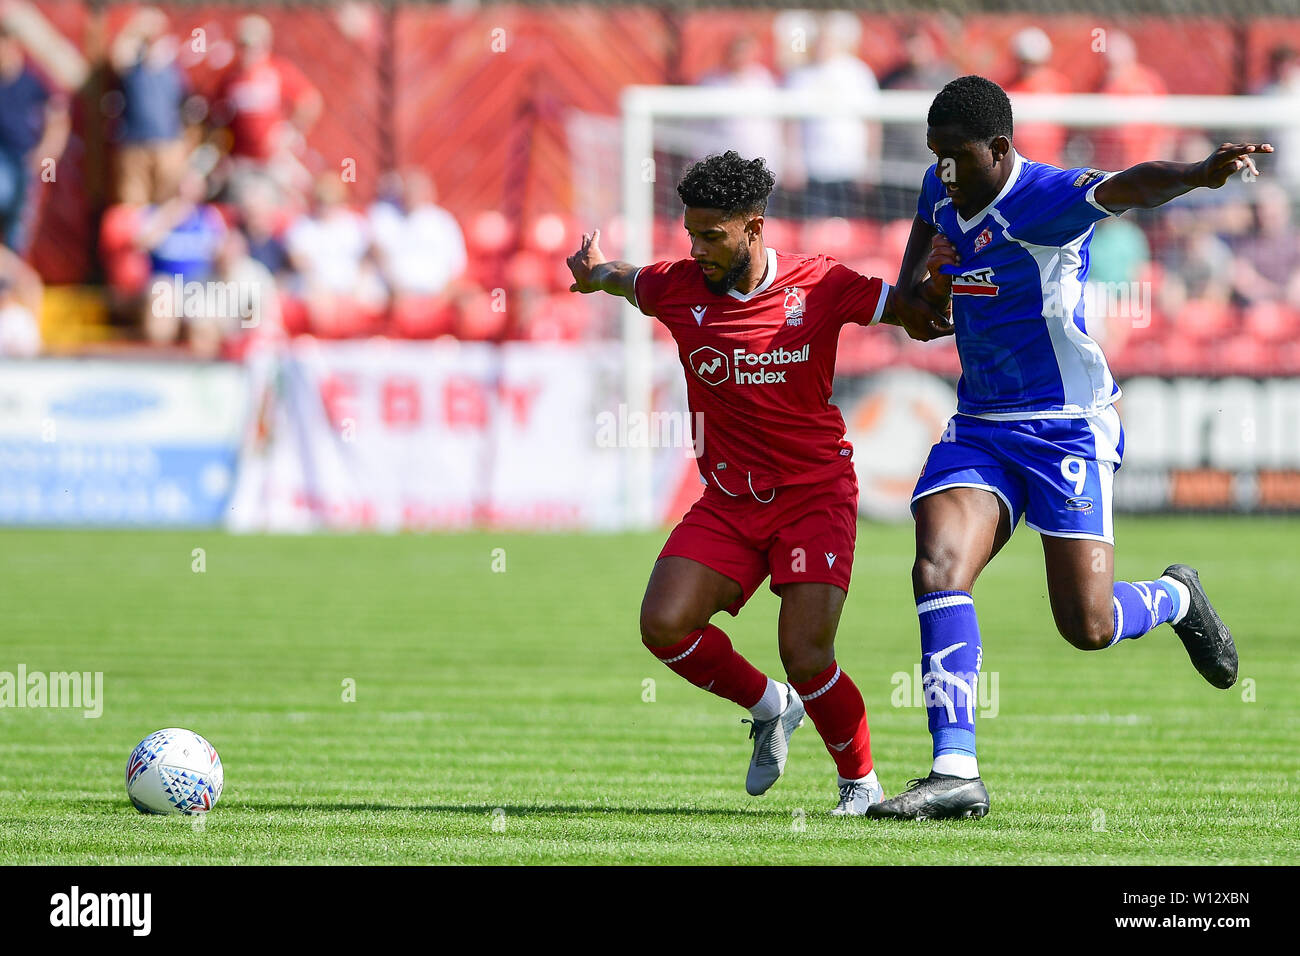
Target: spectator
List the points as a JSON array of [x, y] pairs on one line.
[[1118, 253], [20, 307], [1120, 147], [337, 281], [1284, 80], [34, 128], [744, 71], [1042, 142], [248, 309], [261, 216], [182, 237], [1267, 266], [151, 154], [905, 154], [264, 101], [421, 254], [836, 155]]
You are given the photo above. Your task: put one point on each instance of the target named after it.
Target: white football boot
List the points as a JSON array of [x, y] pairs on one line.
[[857, 795], [772, 744]]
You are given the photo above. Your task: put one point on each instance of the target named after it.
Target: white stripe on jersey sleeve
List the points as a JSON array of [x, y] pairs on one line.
[[1092, 198], [880, 303]]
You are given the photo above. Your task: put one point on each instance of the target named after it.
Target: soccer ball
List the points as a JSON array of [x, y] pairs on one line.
[[174, 771]]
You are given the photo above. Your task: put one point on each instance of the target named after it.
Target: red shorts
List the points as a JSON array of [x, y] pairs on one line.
[[805, 533]]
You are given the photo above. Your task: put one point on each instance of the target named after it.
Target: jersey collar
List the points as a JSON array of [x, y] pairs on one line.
[[763, 286], [968, 224]]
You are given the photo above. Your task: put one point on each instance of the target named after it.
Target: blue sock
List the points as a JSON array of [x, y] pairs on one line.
[[950, 663], [1141, 606]]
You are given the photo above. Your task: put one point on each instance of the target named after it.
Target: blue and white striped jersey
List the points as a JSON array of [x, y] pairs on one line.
[[1018, 304]]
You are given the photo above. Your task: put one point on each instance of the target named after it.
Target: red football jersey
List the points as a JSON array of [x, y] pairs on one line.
[[759, 365]]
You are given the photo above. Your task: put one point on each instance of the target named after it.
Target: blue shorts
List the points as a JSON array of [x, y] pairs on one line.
[[1056, 472]]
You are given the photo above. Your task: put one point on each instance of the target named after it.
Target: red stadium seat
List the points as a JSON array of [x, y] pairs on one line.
[[830, 237], [477, 321], [893, 239], [527, 270], [560, 318], [118, 228], [781, 234], [421, 317], [1270, 322], [1203, 320], [490, 233], [551, 234]]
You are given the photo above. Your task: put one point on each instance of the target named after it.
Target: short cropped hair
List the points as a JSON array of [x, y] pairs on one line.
[[978, 107]]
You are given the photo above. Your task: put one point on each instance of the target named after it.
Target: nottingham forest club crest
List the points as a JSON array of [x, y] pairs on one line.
[[793, 306], [983, 239]]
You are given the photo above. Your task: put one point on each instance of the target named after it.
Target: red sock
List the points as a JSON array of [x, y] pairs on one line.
[[707, 659], [840, 716]]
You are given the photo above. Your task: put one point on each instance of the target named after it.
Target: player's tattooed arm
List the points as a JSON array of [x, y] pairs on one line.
[[592, 272], [1148, 185], [920, 305]]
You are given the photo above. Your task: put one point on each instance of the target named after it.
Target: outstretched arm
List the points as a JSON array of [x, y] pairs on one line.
[[592, 272], [1148, 185]]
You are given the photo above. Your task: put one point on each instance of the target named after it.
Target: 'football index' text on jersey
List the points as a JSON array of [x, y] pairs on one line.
[[713, 367]]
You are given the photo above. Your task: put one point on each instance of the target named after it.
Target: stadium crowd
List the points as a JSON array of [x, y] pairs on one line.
[[213, 186]]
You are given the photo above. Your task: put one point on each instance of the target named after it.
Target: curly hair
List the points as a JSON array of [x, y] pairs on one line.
[[978, 107], [729, 183]]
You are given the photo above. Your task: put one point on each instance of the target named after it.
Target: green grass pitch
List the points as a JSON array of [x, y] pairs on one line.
[[500, 716]]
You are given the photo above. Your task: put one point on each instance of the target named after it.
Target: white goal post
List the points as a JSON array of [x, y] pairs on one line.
[[645, 106]]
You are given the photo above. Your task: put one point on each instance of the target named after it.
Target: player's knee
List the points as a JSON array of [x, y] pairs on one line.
[[805, 662], [1086, 630], [935, 569], [663, 623]]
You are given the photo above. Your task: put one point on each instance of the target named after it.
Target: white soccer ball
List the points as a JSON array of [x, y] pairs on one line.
[[174, 771]]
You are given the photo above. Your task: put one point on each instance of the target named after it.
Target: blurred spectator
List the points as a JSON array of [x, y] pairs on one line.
[[261, 219], [248, 308], [923, 66], [1267, 267], [266, 102], [744, 71], [337, 281], [836, 155], [1119, 252], [905, 155], [421, 253], [182, 237], [34, 127], [1120, 147], [21, 292], [1284, 80], [1041, 142], [151, 153]]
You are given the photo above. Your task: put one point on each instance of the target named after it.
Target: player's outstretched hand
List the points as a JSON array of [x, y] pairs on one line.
[[1228, 160], [584, 260]]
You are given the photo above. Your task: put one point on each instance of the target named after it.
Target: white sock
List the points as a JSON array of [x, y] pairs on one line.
[[772, 703], [870, 780], [1184, 598], [956, 765]]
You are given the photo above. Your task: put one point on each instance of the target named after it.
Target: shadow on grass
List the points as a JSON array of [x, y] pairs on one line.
[[475, 809]]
